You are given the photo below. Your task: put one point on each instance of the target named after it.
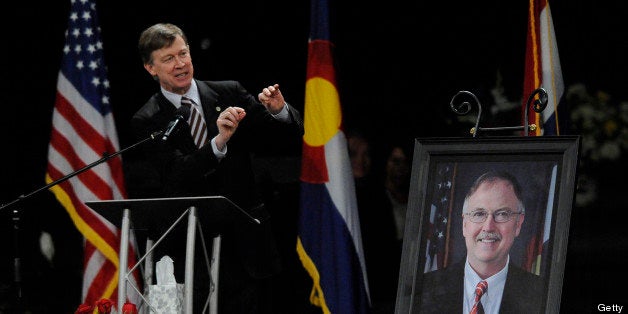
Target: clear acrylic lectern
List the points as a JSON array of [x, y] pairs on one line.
[[157, 214]]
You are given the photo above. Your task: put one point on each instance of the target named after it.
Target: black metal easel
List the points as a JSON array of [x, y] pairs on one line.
[[537, 101]]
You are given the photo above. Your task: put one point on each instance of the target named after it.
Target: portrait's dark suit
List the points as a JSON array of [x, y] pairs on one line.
[[248, 251], [443, 291]]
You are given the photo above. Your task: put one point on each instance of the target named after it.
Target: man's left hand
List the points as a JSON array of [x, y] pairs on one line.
[[272, 99]]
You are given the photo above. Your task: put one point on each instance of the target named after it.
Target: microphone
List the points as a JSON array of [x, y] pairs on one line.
[[180, 115]]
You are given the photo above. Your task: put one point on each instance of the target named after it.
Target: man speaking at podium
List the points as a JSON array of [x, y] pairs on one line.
[[209, 129]]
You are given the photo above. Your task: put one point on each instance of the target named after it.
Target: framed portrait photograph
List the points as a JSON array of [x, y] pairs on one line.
[[487, 224]]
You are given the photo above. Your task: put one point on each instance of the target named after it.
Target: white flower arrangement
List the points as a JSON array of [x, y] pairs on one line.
[[602, 125]]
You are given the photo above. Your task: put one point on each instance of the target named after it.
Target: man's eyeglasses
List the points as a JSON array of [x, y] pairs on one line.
[[479, 216]]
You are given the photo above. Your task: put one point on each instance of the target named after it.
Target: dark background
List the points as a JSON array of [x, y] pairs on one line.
[[398, 65]]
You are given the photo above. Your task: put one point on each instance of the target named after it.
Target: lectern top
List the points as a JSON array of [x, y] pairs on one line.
[[152, 212]]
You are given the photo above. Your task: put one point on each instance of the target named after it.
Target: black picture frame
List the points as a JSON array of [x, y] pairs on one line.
[[442, 171]]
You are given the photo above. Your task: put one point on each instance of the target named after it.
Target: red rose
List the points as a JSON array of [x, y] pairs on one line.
[[84, 309], [129, 308], [104, 306]]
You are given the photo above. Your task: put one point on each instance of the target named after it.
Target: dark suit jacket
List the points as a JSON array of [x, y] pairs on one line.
[[184, 170], [443, 291]]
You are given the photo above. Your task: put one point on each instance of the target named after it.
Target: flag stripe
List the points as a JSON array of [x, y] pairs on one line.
[[105, 282], [63, 150], [552, 73]]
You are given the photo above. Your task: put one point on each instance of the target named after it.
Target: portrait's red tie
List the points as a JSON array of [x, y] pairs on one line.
[[480, 289], [198, 128]]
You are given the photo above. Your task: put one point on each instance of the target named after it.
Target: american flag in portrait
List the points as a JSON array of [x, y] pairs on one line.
[[437, 247]]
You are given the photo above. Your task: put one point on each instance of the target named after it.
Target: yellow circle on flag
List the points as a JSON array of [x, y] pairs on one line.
[[323, 116]]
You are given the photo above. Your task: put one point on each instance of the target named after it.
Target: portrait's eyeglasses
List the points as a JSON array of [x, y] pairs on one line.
[[479, 216]]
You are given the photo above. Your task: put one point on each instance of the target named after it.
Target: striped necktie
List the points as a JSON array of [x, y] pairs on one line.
[[198, 128], [480, 289]]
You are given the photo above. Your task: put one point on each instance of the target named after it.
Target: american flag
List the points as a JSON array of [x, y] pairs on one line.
[[83, 130], [440, 219]]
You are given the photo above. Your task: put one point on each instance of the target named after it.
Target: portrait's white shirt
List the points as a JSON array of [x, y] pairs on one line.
[[492, 299]]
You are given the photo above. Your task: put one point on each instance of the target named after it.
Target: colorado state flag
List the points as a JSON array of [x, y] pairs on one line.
[[329, 242]]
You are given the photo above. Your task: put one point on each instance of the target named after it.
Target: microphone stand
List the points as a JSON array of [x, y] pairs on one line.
[[16, 212]]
